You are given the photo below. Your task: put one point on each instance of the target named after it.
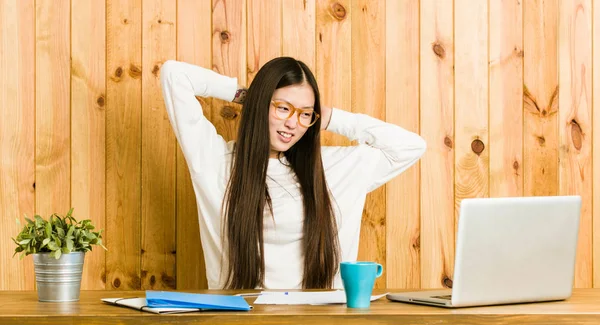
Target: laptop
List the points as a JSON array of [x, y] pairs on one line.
[[510, 250]]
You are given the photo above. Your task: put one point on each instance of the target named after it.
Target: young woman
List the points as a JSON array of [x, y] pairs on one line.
[[275, 209]]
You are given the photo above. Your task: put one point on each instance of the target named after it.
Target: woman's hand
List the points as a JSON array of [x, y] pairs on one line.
[[325, 116], [240, 95]]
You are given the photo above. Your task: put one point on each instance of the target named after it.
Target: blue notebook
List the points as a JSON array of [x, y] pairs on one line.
[[172, 299]]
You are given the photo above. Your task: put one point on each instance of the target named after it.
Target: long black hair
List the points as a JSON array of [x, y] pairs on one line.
[[247, 191]]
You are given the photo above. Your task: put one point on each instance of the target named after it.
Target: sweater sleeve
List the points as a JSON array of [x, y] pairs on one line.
[[181, 82], [386, 149]]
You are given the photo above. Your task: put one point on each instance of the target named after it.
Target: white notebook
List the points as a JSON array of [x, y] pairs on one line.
[[140, 304]]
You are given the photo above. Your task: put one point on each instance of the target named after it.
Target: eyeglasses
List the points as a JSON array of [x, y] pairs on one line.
[[284, 110]]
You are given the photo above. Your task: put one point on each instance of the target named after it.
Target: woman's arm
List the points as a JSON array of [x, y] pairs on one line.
[[385, 149], [181, 82]]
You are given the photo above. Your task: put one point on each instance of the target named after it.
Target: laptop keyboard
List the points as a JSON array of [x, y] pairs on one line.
[[446, 297]]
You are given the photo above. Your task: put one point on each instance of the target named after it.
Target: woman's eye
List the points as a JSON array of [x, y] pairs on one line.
[[283, 108], [306, 114]]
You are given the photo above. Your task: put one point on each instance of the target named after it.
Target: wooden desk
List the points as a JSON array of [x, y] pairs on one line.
[[23, 308]]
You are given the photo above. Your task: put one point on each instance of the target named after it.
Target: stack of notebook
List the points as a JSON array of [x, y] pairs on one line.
[[164, 302]]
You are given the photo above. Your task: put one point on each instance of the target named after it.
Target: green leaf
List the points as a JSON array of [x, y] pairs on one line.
[[69, 245], [52, 246], [48, 229], [61, 233], [56, 221], [71, 230], [24, 241], [45, 242], [57, 240], [56, 254]]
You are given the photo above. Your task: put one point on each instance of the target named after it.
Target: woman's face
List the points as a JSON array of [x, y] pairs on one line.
[[284, 133]]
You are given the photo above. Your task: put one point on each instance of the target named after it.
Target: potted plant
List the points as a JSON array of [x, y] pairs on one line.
[[58, 245]]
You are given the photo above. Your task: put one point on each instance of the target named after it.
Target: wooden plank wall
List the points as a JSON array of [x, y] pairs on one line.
[[436, 55], [503, 91]]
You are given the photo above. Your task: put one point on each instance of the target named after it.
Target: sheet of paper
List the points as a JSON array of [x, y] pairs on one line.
[[304, 298]]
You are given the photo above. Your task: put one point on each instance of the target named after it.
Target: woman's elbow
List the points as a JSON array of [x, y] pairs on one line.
[[167, 69]]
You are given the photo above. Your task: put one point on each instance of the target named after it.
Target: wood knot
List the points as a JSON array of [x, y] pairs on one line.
[[553, 102], [439, 50], [135, 71], [541, 140], [142, 251], [125, 21], [576, 134], [155, 70], [119, 72], [447, 282], [516, 165], [34, 185], [225, 37], [168, 281], [417, 243], [103, 276], [448, 142], [519, 53], [144, 273], [477, 146], [117, 283], [135, 281], [321, 37], [174, 252], [338, 11], [100, 101], [159, 21], [228, 113], [152, 281]]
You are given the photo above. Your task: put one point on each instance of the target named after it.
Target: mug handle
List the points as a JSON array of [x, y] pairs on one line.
[[379, 270]]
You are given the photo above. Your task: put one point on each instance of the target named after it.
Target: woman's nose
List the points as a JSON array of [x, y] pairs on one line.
[[292, 122]]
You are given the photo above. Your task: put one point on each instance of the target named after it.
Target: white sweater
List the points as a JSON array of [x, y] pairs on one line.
[[384, 151]]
